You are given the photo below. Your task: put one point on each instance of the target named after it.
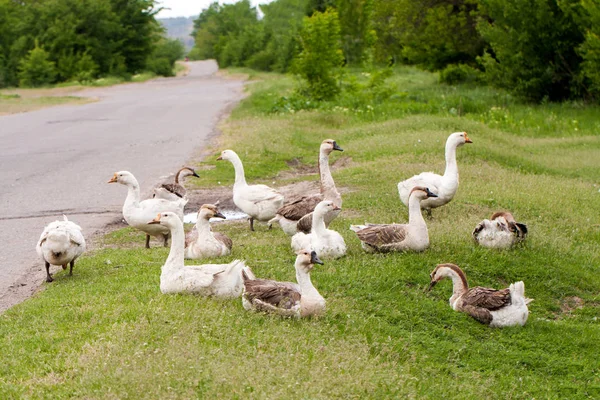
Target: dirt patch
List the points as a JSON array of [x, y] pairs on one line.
[[571, 303], [298, 168]]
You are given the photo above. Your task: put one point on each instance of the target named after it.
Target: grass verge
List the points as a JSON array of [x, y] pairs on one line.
[[107, 332]]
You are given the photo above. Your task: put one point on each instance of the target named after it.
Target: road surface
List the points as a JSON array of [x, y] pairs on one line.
[[57, 160]]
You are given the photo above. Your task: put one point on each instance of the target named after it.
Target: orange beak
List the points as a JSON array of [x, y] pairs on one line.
[[155, 220], [113, 179], [467, 140]]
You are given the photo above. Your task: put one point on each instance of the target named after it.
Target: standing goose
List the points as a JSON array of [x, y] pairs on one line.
[[297, 215], [61, 243], [174, 191], [201, 241], [398, 237], [286, 298], [499, 232], [496, 308], [444, 186], [137, 213], [260, 202], [220, 280], [326, 242]]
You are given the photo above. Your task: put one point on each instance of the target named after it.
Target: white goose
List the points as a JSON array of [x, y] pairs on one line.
[[496, 308], [201, 241], [137, 213], [61, 243], [326, 242], [220, 280], [499, 232], [398, 237], [174, 191], [260, 202], [297, 215], [286, 298], [444, 186]]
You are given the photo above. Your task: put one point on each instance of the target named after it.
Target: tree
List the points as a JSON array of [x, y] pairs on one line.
[[357, 33], [36, 69]]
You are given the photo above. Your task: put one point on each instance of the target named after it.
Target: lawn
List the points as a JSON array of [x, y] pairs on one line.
[[108, 332]]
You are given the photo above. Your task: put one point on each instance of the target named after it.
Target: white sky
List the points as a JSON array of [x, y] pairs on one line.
[[188, 8]]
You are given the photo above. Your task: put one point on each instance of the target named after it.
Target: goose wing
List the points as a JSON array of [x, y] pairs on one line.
[[490, 299], [377, 235], [191, 236], [174, 188], [279, 294], [299, 208], [223, 239], [305, 223], [259, 193]]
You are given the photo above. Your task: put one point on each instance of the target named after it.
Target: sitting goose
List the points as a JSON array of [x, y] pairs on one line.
[[398, 237], [326, 242], [201, 241], [297, 215], [137, 213], [260, 202], [496, 308], [61, 243], [286, 298], [174, 191], [444, 186], [220, 280], [499, 232]]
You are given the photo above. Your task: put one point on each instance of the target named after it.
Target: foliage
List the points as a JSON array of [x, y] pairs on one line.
[[533, 47], [590, 48], [162, 60], [459, 73], [36, 69], [321, 56]]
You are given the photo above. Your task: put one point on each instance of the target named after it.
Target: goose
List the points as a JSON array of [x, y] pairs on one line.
[[496, 308], [174, 191], [137, 213], [297, 215], [398, 237], [286, 298], [201, 241], [219, 280], [499, 232], [60, 243], [260, 202], [326, 242], [444, 186]]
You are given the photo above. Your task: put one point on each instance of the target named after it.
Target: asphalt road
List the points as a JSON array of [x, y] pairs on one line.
[[57, 160]]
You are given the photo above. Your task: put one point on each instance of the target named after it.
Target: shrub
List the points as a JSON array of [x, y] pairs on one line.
[[160, 66], [458, 73], [321, 56], [36, 69]]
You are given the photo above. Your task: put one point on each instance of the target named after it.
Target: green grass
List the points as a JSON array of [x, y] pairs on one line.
[[107, 332]]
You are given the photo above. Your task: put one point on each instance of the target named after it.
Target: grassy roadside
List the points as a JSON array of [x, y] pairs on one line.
[[107, 332]]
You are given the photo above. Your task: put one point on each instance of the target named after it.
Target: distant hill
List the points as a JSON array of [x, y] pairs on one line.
[[180, 28]]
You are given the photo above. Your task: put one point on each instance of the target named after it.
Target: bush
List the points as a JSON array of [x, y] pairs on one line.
[[36, 69], [160, 66], [86, 69], [459, 73], [162, 60], [321, 56]]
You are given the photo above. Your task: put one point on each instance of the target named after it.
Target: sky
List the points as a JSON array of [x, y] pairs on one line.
[[188, 8]]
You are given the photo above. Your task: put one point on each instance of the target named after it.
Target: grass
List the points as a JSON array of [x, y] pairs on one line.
[[107, 332]]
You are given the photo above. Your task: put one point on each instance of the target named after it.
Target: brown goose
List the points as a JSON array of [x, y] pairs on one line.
[[499, 232], [201, 241], [173, 191], [286, 298], [398, 237], [496, 308], [297, 215]]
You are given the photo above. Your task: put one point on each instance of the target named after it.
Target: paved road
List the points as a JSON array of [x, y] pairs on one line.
[[57, 160]]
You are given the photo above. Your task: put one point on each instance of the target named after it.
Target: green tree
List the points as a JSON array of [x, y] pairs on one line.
[[358, 36], [590, 48], [36, 69], [321, 56]]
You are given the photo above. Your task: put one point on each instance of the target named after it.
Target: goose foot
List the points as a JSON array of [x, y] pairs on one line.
[[252, 224], [71, 269], [48, 277], [147, 241]]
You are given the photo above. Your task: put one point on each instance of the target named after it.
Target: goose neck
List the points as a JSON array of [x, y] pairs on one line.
[[451, 172], [318, 224], [459, 284], [415, 216], [306, 286], [240, 177], [133, 195], [328, 188], [175, 259], [202, 226]]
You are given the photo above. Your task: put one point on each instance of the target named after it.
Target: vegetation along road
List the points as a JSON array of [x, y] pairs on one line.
[[57, 160]]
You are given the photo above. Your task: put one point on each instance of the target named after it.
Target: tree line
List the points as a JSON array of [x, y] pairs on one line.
[[541, 50], [48, 41]]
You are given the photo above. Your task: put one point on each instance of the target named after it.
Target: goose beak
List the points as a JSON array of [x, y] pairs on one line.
[[336, 208], [155, 220], [336, 147], [113, 179], [195, 174], [314, 259], [467, 140], [219, 158], [430, 194], [431, 285], [219, 215]]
